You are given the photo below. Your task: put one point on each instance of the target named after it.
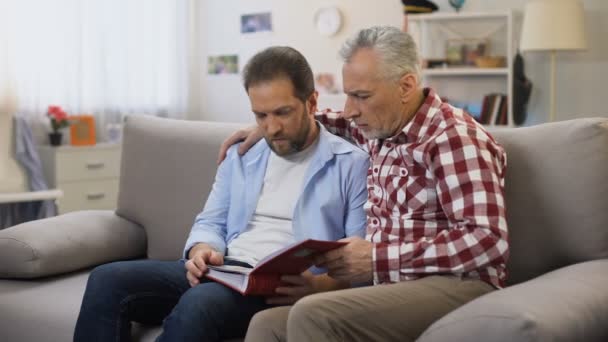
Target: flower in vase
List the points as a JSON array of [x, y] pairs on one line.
[[58, 117]]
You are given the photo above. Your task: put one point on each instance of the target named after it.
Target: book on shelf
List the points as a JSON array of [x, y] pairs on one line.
[[494, 109], [265, 277], [503, 111]]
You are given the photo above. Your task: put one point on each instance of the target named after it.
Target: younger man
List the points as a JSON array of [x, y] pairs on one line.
[[298, 182]]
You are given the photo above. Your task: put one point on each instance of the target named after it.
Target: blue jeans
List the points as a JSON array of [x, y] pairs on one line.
[[157, 292]]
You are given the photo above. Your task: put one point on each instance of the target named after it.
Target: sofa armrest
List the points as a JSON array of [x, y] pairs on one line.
[[569, 304], [67, 243]]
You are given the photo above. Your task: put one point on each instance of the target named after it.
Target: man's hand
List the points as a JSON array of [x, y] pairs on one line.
[[299, 286], [302, 285], [351, 263], [200, 256], [250, 136]]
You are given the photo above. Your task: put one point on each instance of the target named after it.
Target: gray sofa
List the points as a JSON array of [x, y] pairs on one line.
[[557, 204]]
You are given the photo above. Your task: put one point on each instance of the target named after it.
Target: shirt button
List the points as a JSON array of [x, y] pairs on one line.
[[388, 145], [374, 221], [403, 172], [375, 170]]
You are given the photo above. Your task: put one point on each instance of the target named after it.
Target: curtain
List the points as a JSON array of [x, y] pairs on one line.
[[108, 58]]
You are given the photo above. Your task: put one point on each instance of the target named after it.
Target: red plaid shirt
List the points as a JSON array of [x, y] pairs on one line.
[[435, 196]]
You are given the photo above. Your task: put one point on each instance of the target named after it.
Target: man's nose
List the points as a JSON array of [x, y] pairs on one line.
[[273, 126], [350, 109]]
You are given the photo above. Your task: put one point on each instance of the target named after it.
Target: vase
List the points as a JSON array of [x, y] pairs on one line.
[[55, 138], [457, 4]]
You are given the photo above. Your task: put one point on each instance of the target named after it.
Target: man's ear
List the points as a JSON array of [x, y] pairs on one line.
[[311, 103], [408, 84]]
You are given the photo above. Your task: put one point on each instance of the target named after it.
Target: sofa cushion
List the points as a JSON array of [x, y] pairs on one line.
[[41, 309], [556, 195], [568, 304], [47, 309], [167, 170], [68, 242]]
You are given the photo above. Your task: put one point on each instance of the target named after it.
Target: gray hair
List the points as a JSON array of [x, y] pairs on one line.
[[396, 49]]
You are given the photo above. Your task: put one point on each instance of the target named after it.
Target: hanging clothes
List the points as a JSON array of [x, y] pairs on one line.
[[27, 156], [522, 88]]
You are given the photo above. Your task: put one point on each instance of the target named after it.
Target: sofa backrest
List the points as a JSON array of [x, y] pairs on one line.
[[556, 187], [167, 170], [556, 195]]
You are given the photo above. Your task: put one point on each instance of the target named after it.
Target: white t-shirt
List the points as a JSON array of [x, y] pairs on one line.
[[270, 228]]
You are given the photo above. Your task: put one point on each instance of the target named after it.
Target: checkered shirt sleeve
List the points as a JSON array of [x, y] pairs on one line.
[[336, 124]]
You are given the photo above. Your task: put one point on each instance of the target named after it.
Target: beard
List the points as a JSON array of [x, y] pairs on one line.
[[373, 134], [295, 144]]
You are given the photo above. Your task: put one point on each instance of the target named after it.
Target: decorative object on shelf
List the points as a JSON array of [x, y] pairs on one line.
[[553, 25], [490, 61], [114, 133], [432, 63], [59, 120], [465, 51], [414, 7], [328, 20], [256, 22], [55, 138], [418, 6], [457, 4], [82, 130]]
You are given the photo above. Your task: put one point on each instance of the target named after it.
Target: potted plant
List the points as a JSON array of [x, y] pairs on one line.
[[59, 120]]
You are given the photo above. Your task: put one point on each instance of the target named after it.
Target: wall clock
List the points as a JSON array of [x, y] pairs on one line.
[[328, 20]]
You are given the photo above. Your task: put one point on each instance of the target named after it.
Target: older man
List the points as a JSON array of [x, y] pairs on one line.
[[436, 234]]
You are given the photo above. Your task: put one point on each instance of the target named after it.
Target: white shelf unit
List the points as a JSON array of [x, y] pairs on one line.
[[466, 84], [466, 71]]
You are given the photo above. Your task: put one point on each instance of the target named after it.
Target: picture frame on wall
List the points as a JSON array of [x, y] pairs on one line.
[[464, 52], [256, 22], [223, 64]]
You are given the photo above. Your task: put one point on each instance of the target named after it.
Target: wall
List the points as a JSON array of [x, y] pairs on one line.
[[580, 75], [223, 96]]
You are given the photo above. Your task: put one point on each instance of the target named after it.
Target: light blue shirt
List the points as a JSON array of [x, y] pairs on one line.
[[330, 206]]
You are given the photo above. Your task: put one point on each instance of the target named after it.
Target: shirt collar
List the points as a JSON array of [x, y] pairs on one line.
[[329, 145], [414, 129]]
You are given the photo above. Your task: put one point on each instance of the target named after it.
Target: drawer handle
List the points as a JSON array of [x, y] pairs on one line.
[[96, 196], [95, 165]]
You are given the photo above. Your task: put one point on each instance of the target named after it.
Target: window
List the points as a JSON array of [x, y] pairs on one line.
[[100, 57]]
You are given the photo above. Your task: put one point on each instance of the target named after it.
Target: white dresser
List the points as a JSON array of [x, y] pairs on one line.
[[88, 176]]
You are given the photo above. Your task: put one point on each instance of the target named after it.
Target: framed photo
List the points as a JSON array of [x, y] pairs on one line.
[[82, 130], [465, 51], [325, 83], [256, 22], [225, 64]]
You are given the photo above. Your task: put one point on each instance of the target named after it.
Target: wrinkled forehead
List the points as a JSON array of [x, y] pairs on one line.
[[365, 63]]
